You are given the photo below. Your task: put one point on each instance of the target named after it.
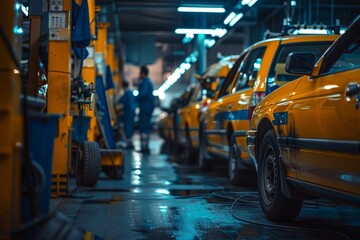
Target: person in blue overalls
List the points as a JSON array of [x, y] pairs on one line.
[[146, 104], [128, 106]]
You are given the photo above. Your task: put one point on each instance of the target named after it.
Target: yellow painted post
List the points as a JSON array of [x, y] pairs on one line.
[[59, 69], [104, 53], [101, 42], [11, 129]]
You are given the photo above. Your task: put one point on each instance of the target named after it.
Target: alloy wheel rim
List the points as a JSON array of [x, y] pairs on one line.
[[269, 177], [232, 163]]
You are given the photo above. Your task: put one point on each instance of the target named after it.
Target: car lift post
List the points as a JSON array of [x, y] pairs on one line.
[[11, 129], [59, 94]]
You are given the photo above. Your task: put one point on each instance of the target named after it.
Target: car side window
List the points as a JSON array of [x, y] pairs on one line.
[[249, 69], [350, 59], [278, 76], [228, 82]]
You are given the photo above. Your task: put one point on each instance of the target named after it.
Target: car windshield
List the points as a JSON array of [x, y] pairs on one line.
[[350, 59], [278, 76]]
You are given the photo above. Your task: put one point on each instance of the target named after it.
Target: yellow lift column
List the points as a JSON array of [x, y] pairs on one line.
[[111, 159], [110, 92], [59, 83], [10, 120]]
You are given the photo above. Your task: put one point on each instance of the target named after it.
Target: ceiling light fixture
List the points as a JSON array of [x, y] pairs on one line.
[[236, 19], [229, 18], [250, 3], [202, 9], [176, 75], [218, 32], [210, 42], [188, 37]]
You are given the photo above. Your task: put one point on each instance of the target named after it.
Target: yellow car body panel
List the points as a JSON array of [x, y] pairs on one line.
[[230, 114], [317, 125], [189, 115], [165, 126], [189, 122]]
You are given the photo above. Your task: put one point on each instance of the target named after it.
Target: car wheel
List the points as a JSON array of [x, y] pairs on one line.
[[274, 204], [188, 148], [236, 176], [89, 164], [203, 162], [233, 169]]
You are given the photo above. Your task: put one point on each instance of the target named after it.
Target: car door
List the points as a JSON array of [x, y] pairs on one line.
[[236, 105], [324, 120], [232, 108], [214, 132]]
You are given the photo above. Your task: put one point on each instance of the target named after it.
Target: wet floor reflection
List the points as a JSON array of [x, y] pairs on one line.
[[162, 199]]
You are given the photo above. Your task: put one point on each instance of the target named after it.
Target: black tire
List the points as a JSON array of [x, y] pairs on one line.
[[114, 172], [189, 152], [203, 162], [274, 204], [239, 177], [89, 164]]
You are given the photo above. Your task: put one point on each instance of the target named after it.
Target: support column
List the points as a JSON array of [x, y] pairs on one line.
[[11, 129], [59, 85], [201, 64], [35, 13], [201, 47]]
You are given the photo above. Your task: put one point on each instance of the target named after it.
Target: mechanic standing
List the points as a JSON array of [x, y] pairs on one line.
[[128, 106], [146, 104]]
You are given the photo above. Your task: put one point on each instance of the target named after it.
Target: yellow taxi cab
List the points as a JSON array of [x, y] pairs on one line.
[[304, 138], [167, 127], [203, 94], [259, 71]]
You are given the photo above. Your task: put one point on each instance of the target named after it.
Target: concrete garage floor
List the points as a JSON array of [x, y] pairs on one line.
[[161, 199]]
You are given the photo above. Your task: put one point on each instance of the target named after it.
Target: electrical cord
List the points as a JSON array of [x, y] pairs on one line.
[[290, 228]]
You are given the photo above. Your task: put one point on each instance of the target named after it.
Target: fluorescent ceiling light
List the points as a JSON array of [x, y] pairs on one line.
[[176, 75], [25, 10], [236, 19], [210, 42], [188, 37], [250, 3], [229, 18], [218, 32], [202, 9]]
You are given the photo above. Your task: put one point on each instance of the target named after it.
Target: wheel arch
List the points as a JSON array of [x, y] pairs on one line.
[[263, 127], [229, 132]]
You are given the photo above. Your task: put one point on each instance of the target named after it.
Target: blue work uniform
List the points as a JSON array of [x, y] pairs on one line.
[[128, 112], [146, 102]]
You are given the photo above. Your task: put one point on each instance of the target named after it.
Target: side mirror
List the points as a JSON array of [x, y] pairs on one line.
[[300, 63]]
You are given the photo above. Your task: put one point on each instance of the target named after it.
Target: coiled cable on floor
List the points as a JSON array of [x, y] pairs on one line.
[[282, 227]]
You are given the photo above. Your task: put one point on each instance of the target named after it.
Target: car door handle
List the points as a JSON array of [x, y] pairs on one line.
[[353, 90], [217, 109], [230, 107]]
